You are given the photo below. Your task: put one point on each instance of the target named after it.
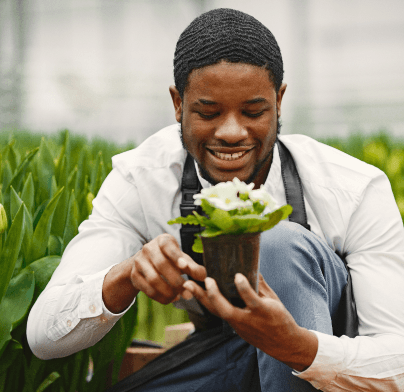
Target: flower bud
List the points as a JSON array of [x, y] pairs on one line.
[[3, 219]]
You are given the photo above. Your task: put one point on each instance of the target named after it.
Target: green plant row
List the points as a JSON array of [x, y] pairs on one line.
[[47, 187]]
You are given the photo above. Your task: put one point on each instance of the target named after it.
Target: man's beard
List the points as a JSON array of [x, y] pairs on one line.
[[258, 166]]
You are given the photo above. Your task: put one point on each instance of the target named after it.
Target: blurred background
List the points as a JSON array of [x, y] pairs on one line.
[[103, 67]]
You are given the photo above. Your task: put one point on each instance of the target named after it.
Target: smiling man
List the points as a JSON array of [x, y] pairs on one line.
[[227, 98]]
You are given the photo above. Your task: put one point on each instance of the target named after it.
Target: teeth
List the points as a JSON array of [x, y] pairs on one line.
[[229, 157]]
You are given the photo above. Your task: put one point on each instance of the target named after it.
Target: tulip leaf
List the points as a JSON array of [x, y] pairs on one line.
[[43, 270], [28, 192], [19, 174], [48, 381], [15, 202], [11, 249], [46, 168], [42, 230], [59, 218], [11, 352], [17, 300]]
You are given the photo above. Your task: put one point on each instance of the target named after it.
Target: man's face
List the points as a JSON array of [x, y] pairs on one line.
[[229, 117]]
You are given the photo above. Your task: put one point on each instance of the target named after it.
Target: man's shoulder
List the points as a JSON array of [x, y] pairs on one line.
[[328, 166], [161, 150]]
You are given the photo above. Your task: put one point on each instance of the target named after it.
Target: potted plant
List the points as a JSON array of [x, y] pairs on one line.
[[235, 216]]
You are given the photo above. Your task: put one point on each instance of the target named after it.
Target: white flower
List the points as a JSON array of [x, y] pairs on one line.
[[223, 196], [241, 186], [263, 196]]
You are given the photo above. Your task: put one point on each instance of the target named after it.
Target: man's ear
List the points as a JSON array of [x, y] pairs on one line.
[[279, 97], [177, 101]]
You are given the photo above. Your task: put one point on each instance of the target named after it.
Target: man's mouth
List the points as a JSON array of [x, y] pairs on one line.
[[229, 156]]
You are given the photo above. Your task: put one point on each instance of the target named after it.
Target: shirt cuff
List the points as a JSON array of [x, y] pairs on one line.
[[327, 364], [92, 304]]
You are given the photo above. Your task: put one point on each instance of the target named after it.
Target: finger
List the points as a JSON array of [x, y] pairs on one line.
[[192, 268], [217, 303], [247, 293], [162, 265], [140, 283], [197, 291], [169, 247], [264, 290], [163, 290]]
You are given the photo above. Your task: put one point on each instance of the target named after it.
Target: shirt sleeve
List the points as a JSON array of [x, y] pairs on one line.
[[70, 315], [373, 361]]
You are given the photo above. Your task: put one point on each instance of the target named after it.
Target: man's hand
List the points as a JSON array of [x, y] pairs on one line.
[[156, 270], [264, 323]]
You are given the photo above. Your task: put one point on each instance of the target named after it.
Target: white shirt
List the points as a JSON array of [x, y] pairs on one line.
[[349, 204]]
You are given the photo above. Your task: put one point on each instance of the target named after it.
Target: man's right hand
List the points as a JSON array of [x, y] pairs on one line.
[[156, 270]]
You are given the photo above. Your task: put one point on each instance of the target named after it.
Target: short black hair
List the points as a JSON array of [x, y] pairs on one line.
[[230, 35]]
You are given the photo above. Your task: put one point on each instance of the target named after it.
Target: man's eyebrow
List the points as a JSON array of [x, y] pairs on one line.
[[205, 102], [256, 100]]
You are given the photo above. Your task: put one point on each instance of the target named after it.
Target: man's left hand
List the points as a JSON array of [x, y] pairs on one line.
[[264, 323]]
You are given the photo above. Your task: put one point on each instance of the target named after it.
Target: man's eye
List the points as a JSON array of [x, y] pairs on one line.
[[256, 114], [208, 116]]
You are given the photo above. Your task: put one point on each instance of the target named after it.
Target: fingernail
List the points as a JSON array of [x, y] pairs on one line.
[[187, 285], [182, 263], [208, 283], [239, 278], [186, 295]]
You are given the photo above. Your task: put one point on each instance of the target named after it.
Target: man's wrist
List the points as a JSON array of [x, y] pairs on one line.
[[304, 351], [118, 291]]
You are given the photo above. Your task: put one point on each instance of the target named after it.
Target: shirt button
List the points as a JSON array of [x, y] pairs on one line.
[[103, 319], [92, 308], [69, 323]]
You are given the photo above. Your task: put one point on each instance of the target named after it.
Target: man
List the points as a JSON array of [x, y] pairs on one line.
[[227, 97]]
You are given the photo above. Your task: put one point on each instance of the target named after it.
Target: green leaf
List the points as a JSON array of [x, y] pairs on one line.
[[275, 217], [211, 232], [17, 300], [11, 250], [59, 218], [98, 174], [13, 156], [48, 381], [42, 230], [72, 178], [19, 174], [15, 202], [62, 173], [46, 169], [55, 245], [9, 355], [184, 220], [221, 219], [7, 174], [245, 222], [197, 247], [207, 207], [72, 221], [43, 270], [15, 304], [28, 192]]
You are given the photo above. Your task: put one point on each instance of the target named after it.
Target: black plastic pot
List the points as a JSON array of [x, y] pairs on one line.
[[226, 255]]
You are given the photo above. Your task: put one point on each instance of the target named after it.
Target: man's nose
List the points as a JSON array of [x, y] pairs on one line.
[[231, 130]]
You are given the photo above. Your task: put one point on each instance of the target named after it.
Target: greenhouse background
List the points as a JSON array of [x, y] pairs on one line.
[[103, 67]]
